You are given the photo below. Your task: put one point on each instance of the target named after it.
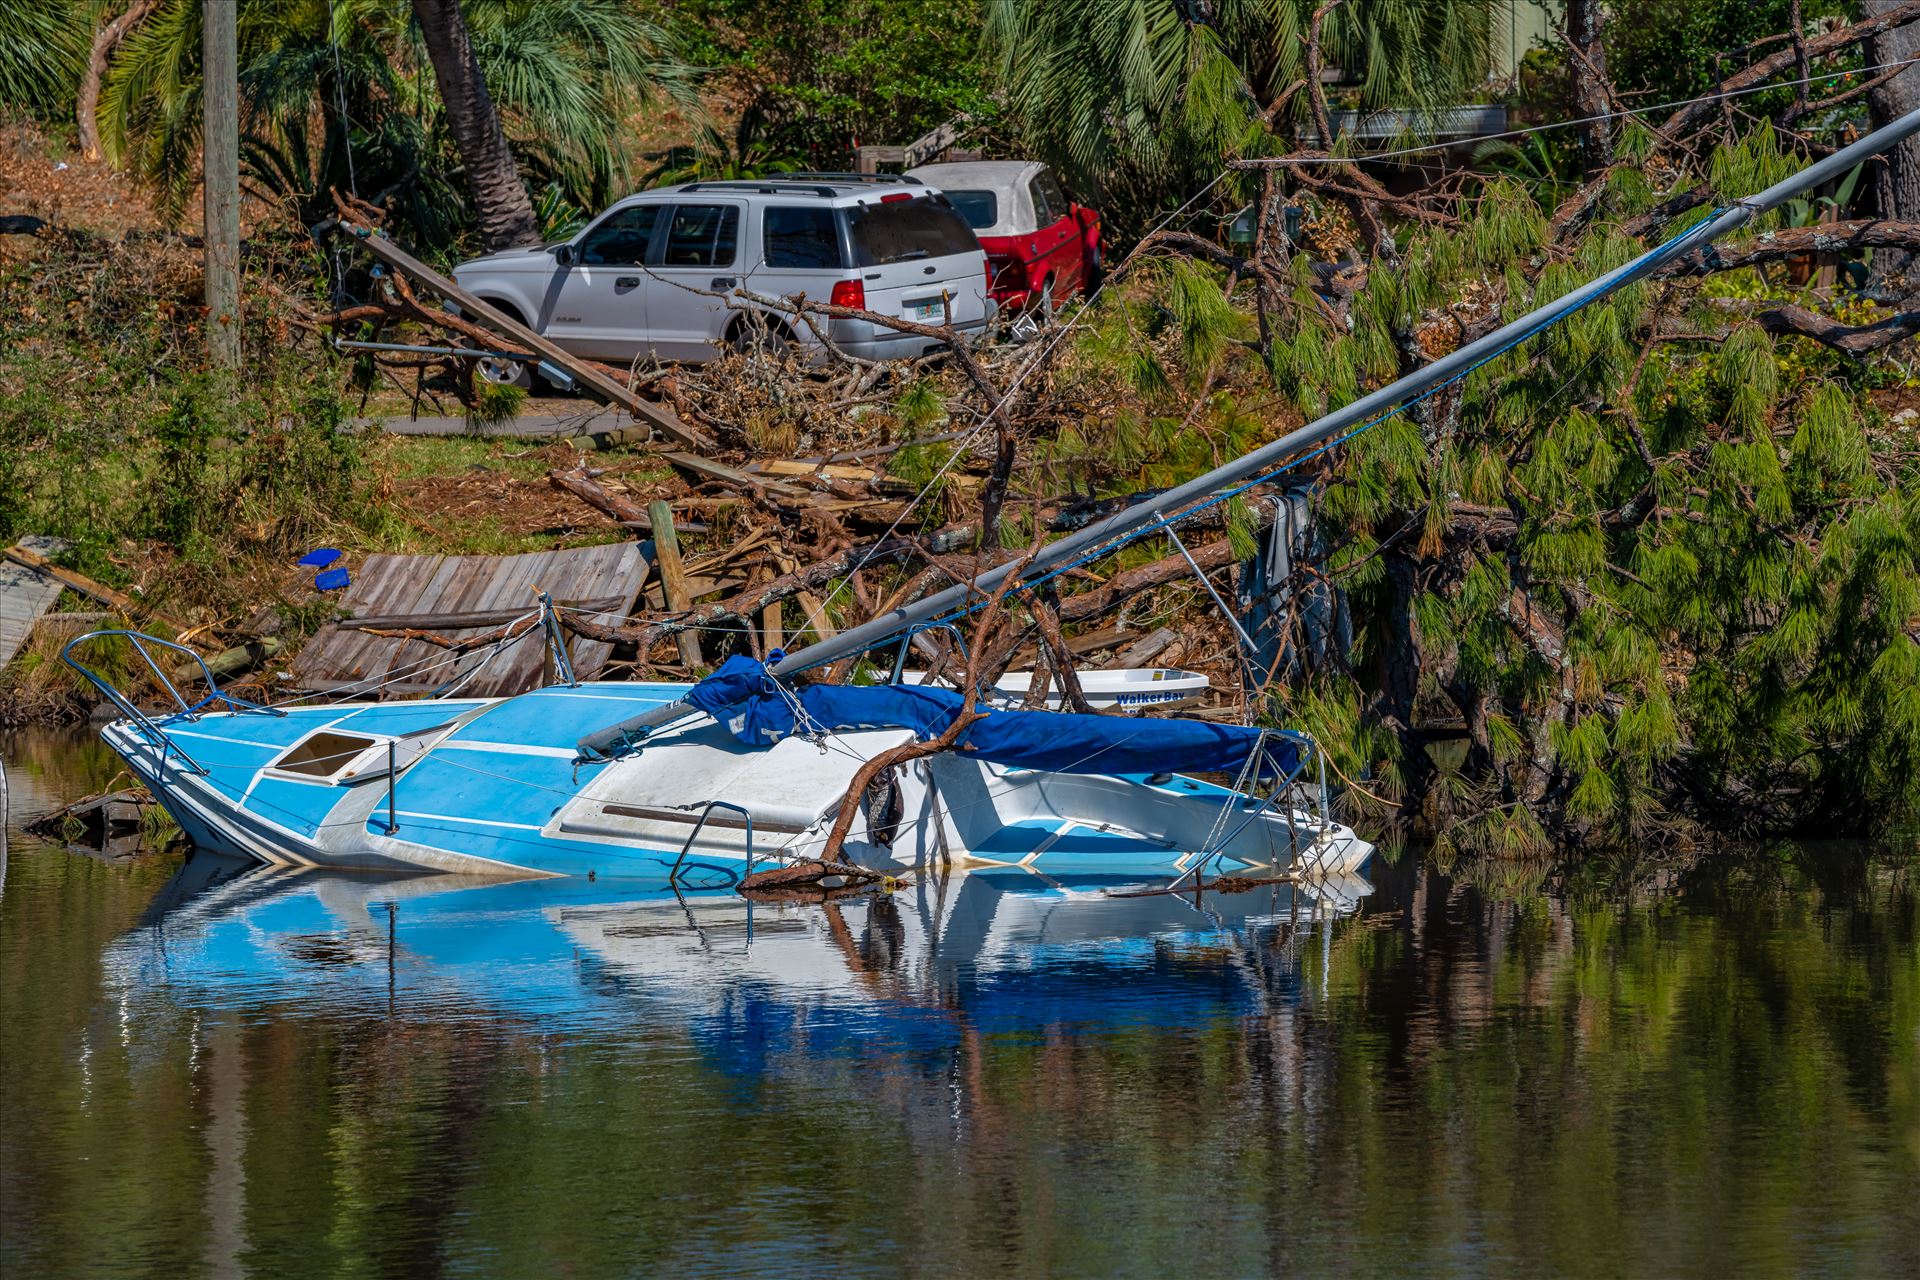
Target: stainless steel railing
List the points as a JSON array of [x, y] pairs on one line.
[[149, 728]]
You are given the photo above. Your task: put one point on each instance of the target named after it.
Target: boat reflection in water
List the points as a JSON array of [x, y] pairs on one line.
[[1005, 950]]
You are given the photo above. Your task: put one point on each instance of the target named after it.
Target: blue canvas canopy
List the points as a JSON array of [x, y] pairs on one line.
[[760, 711]]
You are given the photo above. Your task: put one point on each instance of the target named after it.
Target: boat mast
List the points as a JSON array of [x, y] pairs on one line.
[[1178, 502]]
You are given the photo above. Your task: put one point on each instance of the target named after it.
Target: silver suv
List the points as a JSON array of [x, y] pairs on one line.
[[662, 273]]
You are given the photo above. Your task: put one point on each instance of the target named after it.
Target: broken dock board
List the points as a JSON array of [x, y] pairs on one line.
[[403, 592], [25, 594], [595, 381]]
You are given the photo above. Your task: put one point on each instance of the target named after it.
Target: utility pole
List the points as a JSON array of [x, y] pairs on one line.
[[220, 91]]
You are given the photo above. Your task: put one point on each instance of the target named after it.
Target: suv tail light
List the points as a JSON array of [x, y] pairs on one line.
[[895, 198], [849, 293]]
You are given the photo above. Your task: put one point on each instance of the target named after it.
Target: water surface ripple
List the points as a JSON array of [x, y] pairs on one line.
[[213, 1070]]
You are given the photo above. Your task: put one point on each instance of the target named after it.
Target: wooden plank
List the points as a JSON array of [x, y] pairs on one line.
[[708, 469], [25, 594], [933, 142], [673, 577], [601, 385], [1144, 650], [772, 619], [472, 591], [66, 577], [1078, 646], [787, 467], [502, 583]]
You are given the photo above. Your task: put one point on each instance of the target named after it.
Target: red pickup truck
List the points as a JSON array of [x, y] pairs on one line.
[[1041, 246]]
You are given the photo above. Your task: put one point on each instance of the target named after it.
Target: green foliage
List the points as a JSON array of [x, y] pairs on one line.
[[815, 78], [1672, 49], [919, 407], [1200, 313], [115, 439], [565, 75], [1136, 99], [1691, 582], [495, 403]]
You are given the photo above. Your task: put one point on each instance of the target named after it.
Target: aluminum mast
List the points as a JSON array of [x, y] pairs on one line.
[[1172, 505]]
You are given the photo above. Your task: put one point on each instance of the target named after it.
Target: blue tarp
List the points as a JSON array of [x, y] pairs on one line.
[[759, 711]]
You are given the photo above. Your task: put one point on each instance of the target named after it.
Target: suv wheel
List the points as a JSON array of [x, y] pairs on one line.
[[495, 369], [758, 336]]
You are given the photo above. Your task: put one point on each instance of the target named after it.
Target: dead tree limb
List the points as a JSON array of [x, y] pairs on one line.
[[962, 721], [1853, 340], [1379, 240], [600, 498], [1792, 242], [1059, 656]]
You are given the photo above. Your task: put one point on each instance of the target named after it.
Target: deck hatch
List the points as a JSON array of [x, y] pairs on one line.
[[339, 757], [325, 754]]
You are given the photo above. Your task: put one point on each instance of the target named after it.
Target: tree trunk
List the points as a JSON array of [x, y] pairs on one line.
[[1591, 92], [493, 179], [1398, 661], [1897, 175], [105, 40]]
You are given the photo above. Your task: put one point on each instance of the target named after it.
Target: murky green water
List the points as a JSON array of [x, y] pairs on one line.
[[204, 1071]]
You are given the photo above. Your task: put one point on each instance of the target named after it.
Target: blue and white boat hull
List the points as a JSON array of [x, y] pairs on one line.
[[496, 788]]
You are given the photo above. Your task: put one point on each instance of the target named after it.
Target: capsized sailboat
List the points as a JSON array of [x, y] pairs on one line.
[[698, 782], [748, 768]]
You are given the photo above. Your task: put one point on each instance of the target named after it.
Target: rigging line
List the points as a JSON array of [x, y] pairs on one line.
[[1164, 522], [986, 416], [419, 667], [1269, 162], [340, 102]]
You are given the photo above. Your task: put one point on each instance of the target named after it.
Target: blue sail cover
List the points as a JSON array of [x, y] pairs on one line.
[[760, 712]]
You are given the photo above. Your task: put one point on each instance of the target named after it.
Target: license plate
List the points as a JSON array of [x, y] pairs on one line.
[[927, 308]]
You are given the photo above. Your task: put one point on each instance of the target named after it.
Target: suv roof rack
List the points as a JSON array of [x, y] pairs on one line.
[[768, 187], [859, 177]]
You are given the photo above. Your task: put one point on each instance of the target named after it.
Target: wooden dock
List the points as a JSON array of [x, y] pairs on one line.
[[462, 597], [25, 594]]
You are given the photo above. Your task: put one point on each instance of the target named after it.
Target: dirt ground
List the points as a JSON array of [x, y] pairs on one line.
[[517, 504], [42, 176]]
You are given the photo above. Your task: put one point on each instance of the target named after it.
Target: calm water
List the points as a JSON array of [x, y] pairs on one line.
[[205, 1070]]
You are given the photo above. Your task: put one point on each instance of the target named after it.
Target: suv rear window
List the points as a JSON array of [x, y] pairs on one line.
[[904, 230], [981, 209], [799, 237]]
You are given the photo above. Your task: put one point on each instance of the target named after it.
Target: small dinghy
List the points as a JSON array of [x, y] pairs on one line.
[[1129, 691]]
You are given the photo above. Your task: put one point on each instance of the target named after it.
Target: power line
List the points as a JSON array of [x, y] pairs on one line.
[[1271, 162]]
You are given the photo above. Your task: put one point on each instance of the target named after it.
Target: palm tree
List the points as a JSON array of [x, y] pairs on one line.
[[500, 203], [348, 94], [1126, 91]]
